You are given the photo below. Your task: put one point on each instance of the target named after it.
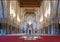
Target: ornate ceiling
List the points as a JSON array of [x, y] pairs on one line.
[[30, 3]]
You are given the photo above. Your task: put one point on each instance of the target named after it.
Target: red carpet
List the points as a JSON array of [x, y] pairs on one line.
[[18, 39]]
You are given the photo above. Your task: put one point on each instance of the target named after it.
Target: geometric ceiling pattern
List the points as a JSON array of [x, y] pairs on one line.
[[30, 3]]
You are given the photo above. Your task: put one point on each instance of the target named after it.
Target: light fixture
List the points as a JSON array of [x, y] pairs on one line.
[[47, 12], [12, 12], [41, 19], [30, 22], [18, 19]]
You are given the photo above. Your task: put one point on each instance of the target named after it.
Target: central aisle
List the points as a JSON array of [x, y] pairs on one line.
[[18, 39]]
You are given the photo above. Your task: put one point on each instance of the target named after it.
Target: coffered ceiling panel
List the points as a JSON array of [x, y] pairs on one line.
[[30, 3]]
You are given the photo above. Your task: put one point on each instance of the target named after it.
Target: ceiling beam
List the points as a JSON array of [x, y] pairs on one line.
[[30, 3]]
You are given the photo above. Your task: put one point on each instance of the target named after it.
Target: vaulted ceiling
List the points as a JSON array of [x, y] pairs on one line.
[[30, 3]]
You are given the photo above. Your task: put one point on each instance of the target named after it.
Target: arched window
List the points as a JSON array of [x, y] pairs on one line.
[[1, 10], [2, 16]]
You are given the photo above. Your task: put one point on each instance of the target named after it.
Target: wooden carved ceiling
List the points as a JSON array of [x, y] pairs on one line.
[[30, 3]]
